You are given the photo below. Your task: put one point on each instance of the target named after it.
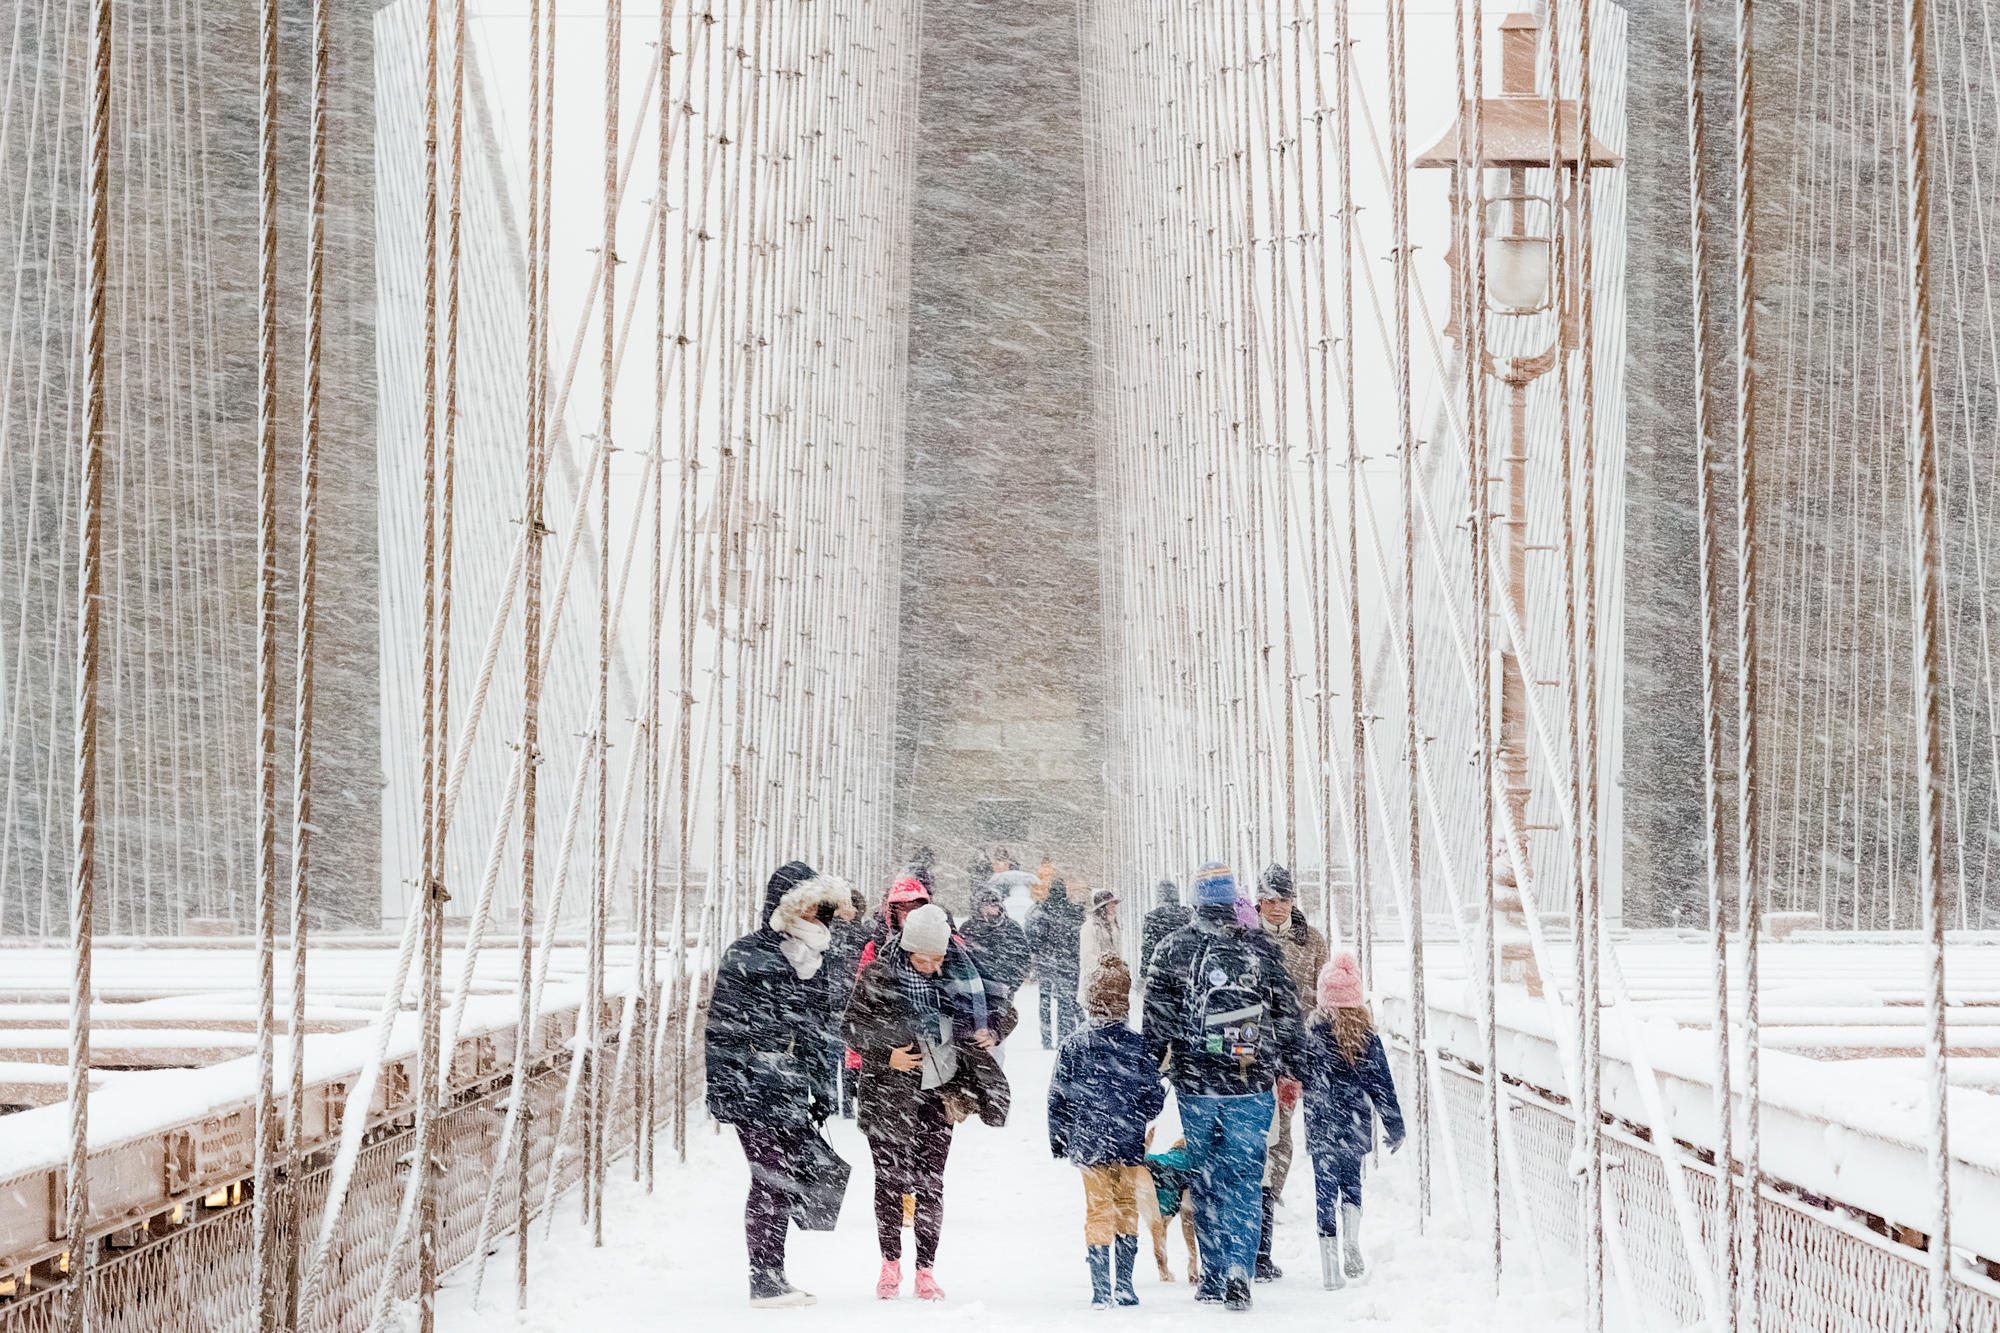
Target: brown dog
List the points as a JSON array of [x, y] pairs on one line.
[[1149, 1207]]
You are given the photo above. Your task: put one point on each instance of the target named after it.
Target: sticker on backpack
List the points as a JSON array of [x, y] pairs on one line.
[[1229, 1011]]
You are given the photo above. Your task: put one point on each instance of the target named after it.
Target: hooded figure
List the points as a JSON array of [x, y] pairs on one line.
[[772, 1016], [1166, 917], [999, 948], [768, 1043]]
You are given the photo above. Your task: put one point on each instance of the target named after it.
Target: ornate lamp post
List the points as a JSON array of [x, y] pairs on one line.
[[1521, 250]]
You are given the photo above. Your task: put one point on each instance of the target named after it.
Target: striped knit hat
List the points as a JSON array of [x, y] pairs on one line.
[[1214, 884]]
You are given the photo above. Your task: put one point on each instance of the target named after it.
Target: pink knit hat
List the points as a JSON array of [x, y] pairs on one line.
[[1340, 983]]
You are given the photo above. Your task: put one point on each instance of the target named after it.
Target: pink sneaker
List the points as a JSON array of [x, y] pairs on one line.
[[889, 1285], [927, 1287]]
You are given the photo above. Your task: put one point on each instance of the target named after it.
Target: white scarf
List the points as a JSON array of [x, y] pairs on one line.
[[804, 947]]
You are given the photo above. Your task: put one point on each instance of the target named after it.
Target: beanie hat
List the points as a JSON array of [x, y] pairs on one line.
[[1108, 995], [1167, 894], [1276, 883], [985, 894], [1340, 983], [926, 930], [908, 890], [1213, 885]]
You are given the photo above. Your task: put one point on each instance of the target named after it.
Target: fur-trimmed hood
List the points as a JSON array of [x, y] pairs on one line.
[[804, 899]]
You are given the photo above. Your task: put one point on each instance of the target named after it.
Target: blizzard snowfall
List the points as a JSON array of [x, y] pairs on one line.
[[1012, 1255]]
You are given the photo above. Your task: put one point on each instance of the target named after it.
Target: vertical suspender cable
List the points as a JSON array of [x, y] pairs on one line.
[[593, 1130], [1590, 942], [1748, 659], [684, 525], [656, 616], [1312, 229], [427, 901], [1710, 557], [303, 687], [1364, 896], [1923, 448], [1478, 473], [1399, 99], [1399, 171], [540, 165], [264, 1159], [90, 589]]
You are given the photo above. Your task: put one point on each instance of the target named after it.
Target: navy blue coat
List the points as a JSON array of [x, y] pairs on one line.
[[769, 1033], [1104, 1091], [1342, 1099]]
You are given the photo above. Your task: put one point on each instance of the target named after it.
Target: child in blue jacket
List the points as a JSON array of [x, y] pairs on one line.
[[1347, 1085], [1104, 1092]]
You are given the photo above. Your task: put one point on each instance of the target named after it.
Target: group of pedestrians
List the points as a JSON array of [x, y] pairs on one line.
[[1244, 1016]]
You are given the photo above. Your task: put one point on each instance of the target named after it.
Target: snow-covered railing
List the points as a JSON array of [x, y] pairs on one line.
[[1844, 1174], [170, 1194]]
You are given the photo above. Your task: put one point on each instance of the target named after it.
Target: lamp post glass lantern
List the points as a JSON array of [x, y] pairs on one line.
[[1519, 263]]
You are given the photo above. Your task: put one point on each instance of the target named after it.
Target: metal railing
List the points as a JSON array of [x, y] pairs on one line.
[[195, 1276], [1821, 1271]]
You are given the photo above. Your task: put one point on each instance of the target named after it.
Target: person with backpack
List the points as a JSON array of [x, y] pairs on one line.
[[1347, 1084], [768, 1044], [1104, 1091], [1221, 1014], [1305, 952]]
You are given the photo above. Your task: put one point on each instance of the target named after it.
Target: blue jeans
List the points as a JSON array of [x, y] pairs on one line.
[[1225, 1147], [1336, 1180]]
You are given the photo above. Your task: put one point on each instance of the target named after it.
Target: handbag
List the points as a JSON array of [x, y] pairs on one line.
[[817, 1185]]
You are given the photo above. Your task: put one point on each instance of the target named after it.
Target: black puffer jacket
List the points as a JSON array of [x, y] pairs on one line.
[[770, 1031]]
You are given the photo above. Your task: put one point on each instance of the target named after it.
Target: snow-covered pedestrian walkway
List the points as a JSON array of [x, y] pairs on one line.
[[1012, 1255]]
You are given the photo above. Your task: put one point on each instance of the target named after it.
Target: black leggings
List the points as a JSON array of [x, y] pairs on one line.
[[911, 1164], [767, 1212]]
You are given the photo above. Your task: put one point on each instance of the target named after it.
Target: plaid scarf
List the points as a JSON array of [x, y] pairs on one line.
[[957, 981], [922, 992]]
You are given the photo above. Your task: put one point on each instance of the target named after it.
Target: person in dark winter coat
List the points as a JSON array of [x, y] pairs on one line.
[[1221, 1012], [1055, 934], [1167, 916], [1347, 1084], [768, 1044], [1104, 1091], [999, 947], [843, 963], [901, 1023], [1305, 952]]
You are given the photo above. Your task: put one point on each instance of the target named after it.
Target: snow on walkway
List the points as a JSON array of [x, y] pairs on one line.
[[1011, 1257]]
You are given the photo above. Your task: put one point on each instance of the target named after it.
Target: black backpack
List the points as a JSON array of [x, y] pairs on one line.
[[1227, 1014]]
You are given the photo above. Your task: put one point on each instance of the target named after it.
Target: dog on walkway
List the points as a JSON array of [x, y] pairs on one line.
[[1163, 1194]]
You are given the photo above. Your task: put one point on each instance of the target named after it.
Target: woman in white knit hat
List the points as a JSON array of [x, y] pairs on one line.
[[911, 1016]]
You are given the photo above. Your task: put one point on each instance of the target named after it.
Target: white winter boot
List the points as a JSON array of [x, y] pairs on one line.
[[1350, 1238], [1329, 1263]]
